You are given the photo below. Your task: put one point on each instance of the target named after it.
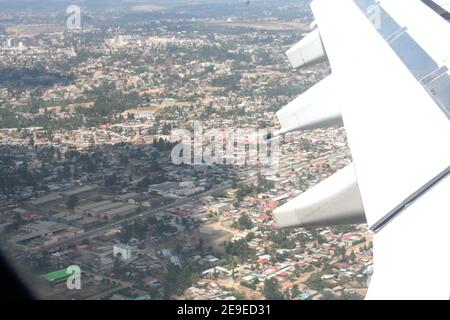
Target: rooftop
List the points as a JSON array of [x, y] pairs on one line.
[[57, 275]]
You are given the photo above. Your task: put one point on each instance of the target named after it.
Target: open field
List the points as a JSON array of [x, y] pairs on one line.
[[148, 8], [26, 30], [269, 26]]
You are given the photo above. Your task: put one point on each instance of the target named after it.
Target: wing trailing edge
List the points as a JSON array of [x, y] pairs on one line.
[[309, 50], [315, 108], [335, 201]]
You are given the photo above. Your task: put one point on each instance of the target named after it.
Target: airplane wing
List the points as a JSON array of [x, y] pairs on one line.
[[390, 86]]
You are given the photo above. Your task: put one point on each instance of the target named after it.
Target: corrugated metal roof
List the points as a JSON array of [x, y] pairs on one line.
[[57, 275]]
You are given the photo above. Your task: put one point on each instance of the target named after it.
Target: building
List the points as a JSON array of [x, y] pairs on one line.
[[219, 208], [58, 276], [123, 252]]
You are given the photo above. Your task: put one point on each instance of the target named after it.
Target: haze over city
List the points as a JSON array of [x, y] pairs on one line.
[[87, 122]]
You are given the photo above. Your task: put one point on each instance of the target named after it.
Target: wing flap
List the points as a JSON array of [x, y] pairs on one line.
[[397, 133]]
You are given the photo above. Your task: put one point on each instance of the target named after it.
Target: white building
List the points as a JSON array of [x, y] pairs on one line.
[[122, 251], [219, 208]]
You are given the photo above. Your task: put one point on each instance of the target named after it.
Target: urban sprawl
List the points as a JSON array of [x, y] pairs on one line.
[[86, 134]]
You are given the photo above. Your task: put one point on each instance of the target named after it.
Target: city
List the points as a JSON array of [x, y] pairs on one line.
[[87, 118]]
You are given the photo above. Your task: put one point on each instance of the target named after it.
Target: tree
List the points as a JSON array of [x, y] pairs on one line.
[[272, 289], [280, 239], [295, 292], [239, 295], [111, 180], [328, 295], [201, 245], [154, 166], [178, 249], [179, 279], [72, 202], [239, 249], [18, 221], [91, 166], [315, 282], [245, 222], [352, 256], [117, 265]]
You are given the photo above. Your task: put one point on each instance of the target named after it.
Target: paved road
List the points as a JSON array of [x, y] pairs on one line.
[[106, 293], [180, 202], [97, 231], [119, 286]]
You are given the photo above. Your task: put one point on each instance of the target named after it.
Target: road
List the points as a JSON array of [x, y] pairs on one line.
[[99, 230], [120, 285], [180, 202]]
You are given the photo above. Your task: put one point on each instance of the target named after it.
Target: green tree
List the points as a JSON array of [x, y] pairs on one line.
[[245, 222], [72, 202], [295, 292], [272, 289]]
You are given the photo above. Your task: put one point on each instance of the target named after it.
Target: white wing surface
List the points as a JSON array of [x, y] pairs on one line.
[[390, 64]]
